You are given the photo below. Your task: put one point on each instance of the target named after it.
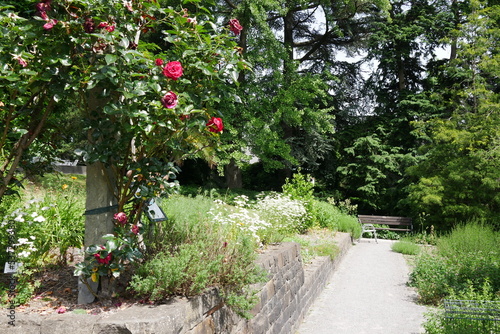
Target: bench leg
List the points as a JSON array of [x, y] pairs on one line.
[[373, 232]]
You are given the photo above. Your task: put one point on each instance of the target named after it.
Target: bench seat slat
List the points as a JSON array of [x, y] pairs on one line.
[[393, 229], [403, 224]]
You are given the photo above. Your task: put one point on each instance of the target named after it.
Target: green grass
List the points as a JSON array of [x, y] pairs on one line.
[[405, 246], [317, 242]]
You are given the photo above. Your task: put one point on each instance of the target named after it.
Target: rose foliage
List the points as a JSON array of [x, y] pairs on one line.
[[147, 76]]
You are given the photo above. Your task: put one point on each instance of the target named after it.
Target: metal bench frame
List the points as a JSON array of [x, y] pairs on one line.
[[481, 312]]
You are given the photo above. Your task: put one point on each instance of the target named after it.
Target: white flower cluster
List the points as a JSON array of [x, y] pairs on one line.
[[281, 211], [27, 247], [21, 216], [273, 214], [244, 219], [24, 247]]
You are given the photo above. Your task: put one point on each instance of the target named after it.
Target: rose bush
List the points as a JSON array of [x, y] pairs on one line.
[[103, 60]]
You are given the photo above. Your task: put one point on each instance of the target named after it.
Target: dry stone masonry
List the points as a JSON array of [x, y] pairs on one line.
[[284, 301]]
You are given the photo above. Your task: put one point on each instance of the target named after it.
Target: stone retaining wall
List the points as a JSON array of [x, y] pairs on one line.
[[284, 301]]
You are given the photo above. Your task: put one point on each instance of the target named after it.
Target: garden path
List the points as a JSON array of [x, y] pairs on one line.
[[367, 294]]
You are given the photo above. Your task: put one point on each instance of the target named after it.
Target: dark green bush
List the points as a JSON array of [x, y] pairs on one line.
[[327, 215]]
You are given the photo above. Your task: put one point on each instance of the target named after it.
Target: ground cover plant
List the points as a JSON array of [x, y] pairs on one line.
[[48, 224], [470, 253], [438, 322]]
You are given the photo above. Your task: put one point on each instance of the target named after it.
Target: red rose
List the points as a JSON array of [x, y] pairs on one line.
[[107, 26], [173, 70], [135, 229], [158, 62], [169, 100], [121, 217], [42, 8], [215, 125], [89, 25], [50, 24], [44, 15], [22, 62], [235, 26], [102, 260]]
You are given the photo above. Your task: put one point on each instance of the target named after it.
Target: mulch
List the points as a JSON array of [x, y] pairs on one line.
[[58, 293]]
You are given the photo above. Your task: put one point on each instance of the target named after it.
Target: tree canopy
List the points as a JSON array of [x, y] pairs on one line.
[[392, 104]]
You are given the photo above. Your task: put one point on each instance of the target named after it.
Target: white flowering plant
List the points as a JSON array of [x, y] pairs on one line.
[[268, 219], [285, 215], [240, 218]]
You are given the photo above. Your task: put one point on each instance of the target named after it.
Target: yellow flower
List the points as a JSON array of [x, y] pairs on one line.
[[64, 186], [74, 177]]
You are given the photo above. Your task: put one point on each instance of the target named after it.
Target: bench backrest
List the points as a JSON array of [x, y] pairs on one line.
[[385, 220]]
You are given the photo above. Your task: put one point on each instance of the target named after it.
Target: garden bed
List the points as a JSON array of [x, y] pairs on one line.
[[300, 289]]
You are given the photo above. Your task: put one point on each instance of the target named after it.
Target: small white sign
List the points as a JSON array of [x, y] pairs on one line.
[[154, 212], [11, 267]]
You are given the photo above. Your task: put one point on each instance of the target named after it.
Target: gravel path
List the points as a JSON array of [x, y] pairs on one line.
[[367, 294]]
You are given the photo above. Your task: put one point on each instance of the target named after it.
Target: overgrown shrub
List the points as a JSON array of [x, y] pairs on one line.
[[327, 215], [350, 224], [437, 322], [468, 256], [431, 276], [194, 252]]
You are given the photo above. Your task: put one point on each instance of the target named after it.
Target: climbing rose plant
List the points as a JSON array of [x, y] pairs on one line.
[[146, 76]]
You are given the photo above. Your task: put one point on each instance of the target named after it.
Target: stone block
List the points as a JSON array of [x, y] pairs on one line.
[[137, 319], [207, 326], [259, 325]]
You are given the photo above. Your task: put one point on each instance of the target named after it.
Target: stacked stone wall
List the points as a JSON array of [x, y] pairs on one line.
[[283, 302]]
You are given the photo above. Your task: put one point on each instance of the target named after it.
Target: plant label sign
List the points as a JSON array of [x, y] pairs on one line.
[[11, 267], [154, 212]]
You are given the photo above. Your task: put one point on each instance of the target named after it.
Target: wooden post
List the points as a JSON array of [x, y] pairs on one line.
[[100, 208]]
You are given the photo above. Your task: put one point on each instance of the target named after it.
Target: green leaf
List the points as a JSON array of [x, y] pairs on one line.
[[110, 59], [65, 61]]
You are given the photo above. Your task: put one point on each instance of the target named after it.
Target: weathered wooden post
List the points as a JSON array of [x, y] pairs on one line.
[[100, 208]]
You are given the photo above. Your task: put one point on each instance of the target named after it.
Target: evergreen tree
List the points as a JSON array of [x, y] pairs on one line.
[[459, 176]]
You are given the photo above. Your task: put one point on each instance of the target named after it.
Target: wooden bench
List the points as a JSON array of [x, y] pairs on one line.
[[401, 224]]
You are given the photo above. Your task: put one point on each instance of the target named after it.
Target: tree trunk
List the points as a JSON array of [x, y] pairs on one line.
[[233, 175]]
